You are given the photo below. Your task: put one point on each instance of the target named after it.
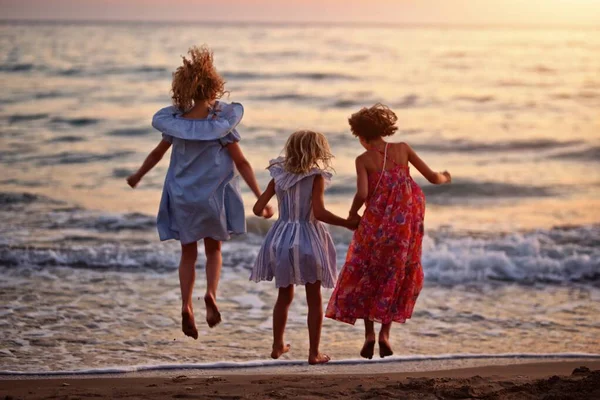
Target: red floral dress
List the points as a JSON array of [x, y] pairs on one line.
[[383, 276]]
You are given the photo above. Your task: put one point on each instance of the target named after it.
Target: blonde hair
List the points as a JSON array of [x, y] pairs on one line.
[[373, 122], [197, 79], [306, 150]]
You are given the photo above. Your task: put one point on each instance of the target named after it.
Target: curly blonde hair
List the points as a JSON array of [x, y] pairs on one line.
[[197, 79], [373, 122], [305, 150]]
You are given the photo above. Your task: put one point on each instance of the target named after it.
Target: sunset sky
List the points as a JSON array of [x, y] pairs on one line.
[[521, 12]]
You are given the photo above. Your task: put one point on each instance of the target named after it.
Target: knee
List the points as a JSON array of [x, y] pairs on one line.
[[212, 248], [286, 295], [189, 251]]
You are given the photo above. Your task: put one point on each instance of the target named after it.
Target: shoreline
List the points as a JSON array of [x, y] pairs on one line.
[[396, 364], [509, 379]]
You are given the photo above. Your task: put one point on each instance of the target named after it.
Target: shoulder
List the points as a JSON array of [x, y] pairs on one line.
[[362, 158], [402, 149], [401, 146]]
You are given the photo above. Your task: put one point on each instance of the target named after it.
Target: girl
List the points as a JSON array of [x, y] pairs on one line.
[[201, 198], [298, 249], [383, 276]]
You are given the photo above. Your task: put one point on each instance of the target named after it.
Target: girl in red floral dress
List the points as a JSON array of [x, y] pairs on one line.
[[382, 277]]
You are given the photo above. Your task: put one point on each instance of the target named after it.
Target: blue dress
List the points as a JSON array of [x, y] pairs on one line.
[[298, 248], [201, 196]]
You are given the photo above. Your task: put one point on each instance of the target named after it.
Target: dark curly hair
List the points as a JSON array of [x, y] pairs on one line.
[[373, 122]]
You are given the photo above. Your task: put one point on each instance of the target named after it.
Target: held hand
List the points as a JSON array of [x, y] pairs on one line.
[[353, 221], [133, 180], [448, 176], [268, 212]]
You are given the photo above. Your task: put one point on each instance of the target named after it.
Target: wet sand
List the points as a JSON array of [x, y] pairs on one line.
[[579, 379]]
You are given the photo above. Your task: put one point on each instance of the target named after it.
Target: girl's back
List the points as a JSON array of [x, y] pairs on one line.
[[298, 248], [390, 183], [294, 193], [383, 267]]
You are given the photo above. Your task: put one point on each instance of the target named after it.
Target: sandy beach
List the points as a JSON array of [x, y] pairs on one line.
[[578, 379]]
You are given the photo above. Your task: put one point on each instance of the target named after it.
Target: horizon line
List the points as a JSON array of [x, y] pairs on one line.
[[375, 24]]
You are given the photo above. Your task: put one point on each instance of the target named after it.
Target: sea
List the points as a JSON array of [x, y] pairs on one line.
[[512, 248]]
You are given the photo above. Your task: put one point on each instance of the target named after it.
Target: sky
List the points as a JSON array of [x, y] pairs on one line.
[[476, 12]]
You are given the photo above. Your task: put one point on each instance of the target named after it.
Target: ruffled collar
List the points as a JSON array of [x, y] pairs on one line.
[[222, 120], [285, 180]]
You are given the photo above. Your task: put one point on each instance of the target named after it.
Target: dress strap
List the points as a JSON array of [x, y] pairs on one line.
[[382, 168]]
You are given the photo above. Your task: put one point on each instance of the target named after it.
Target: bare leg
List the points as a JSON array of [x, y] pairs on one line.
[[213, 273], [187, 277], [315, 322], [369, 346], [280, 314], [385, 350]]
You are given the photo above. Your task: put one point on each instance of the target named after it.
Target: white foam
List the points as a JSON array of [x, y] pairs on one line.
[[232, 365]]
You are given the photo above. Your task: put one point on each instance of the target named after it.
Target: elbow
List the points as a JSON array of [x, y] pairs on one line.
[[360, 197], [434, 179], [319, 213]]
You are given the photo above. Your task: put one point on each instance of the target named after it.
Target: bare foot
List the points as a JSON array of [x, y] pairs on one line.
[[320, 358], [385, 350], [213, 316], [368, 349], [188, 325], [278, 351]]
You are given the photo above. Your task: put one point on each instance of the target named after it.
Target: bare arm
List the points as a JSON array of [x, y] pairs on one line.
[[362, 188], [245, 169], [150, 162], [319, 209], [263, 199], [437, 178]]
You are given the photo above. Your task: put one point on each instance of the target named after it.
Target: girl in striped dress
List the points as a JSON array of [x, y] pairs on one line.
[[298, 249]]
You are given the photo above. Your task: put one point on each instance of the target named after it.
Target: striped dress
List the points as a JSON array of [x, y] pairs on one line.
[[298, 249]]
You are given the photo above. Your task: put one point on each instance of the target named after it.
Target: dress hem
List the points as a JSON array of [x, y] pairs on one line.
[[220, 239], [291, 283], [352, 320]]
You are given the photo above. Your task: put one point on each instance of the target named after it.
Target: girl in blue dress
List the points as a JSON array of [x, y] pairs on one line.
[[201, 198], [298, 249]]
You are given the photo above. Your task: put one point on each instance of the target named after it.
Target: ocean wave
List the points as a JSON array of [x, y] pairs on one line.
[[556, 256], [130, 132], [16, 67], [77, 122], [313, 76], [18, 118], [408, 101], [468, 146], [462, 190], [347, 103], [91, 71], [10, 198], [588, 154], [80, 238], [287, 97], [233, 365], [475, 99], [82, 219], [542, 69], [67, 157], [121, 172], [471, 190], [67, 139]]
